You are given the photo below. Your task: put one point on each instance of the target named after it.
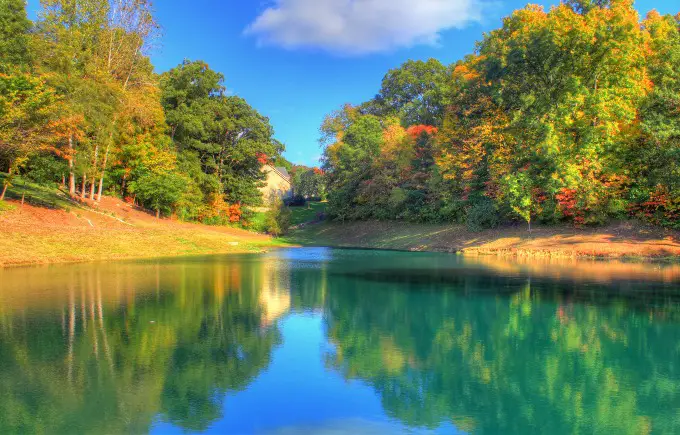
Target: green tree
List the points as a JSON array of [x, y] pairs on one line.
[[349, 162], [28, 111], [160, 192], [517, 190], [230, 139], [416, 92], [654, 159], [14, 36], [309, 182]]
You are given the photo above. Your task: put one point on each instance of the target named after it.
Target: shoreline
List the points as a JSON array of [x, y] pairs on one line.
[[115, 231], [36, 236], [628, 241], [509, 255], [253, 249]]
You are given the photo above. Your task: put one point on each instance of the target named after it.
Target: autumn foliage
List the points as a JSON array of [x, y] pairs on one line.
[[79, 95], [567, 114]]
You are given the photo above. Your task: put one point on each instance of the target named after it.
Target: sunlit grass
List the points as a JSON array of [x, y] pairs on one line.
[[50, 228], [37, 194], [307, 213], [5, 206]]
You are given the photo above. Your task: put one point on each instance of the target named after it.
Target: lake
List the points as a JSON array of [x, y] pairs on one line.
[[326, 341]]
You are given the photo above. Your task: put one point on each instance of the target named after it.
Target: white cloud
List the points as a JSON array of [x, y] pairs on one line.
[[360, 26]]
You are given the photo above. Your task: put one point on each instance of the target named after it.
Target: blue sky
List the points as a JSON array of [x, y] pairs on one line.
[[297, 60]]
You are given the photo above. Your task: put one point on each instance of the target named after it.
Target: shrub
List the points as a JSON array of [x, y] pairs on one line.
[[45, 169], [160, 192], [482, 215], [277, 219], [452, 212]]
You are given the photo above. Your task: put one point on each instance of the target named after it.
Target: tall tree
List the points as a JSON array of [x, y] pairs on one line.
[[226, 134], [29, 113], [14, 37], [416, 92]]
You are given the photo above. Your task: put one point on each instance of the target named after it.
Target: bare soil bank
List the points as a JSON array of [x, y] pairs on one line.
[[622, 240]]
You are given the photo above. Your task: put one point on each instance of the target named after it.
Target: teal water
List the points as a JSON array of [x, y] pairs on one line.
[[324, 341]]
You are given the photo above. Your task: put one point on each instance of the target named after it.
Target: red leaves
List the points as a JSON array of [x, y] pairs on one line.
[[415, 131], [660, 209], [262, 158], [218, 209], [567, 203], [235, 213]]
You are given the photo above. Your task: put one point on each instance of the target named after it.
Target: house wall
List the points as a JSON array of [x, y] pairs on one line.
[[276, 186]]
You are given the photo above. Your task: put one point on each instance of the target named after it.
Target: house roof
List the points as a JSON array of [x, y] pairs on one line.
[[283, 172]]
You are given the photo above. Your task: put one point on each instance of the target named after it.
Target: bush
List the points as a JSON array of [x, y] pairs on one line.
[[45, 169], [160, 192], [452, 212], [256, 221], [4, 206], [482, 215], [277, 219]]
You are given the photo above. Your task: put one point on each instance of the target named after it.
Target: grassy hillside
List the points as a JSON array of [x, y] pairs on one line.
[[621, 240], [50, 228], [307, 213]]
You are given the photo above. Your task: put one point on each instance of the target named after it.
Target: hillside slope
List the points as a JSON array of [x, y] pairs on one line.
[[627, 239], [31, 234]]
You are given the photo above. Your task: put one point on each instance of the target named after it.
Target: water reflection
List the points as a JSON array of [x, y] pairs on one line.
[[111, 348], [479, 345]]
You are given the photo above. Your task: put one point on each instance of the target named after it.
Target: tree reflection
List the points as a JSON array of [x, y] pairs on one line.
[[173, 349], [523, 359], [125, 346]]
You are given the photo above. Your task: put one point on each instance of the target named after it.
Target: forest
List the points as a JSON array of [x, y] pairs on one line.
[[81, 105], [566, 115]]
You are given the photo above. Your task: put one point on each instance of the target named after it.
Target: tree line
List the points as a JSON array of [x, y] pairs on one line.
[[565, 115], [80, 104]]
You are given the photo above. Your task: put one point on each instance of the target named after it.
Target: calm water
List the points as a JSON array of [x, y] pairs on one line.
[[338, 341]]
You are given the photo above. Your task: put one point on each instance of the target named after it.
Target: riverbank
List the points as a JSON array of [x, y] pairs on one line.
[[114, 230], [622, 240]]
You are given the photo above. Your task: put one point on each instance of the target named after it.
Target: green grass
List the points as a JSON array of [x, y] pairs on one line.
[[307, 213], [257, 222], [36, 194], [402, 236], [34, 237], [5, 207]]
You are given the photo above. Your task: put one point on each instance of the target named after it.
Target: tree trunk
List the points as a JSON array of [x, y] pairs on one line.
[[101, 179], [158, 213], [132, 66], [82, 190], [94, 171], [7, 180], [71, 175]]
